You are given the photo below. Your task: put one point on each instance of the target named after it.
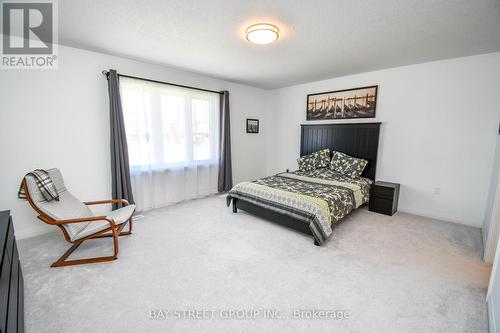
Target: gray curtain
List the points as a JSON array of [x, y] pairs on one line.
[[120, 171], [225, 170]]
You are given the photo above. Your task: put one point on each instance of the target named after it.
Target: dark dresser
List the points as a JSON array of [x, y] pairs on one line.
[[384, 197], [11, 279]]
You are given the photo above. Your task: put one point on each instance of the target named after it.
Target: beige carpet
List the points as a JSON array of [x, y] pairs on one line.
[[385, 274]]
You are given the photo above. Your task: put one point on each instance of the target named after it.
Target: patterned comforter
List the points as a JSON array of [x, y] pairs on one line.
[[319, 197]]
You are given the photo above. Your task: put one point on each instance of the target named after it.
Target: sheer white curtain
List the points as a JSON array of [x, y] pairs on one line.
[[173, 142]]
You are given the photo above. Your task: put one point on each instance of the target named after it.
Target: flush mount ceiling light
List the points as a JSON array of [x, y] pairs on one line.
[[262, 33]]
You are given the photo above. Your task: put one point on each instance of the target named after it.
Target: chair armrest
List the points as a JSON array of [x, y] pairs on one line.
[[78, 220], [100, 202]]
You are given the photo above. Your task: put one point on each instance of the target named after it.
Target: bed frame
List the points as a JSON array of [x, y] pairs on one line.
[[355, 139]]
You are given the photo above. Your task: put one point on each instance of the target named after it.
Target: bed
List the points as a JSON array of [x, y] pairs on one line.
[[312, 201]]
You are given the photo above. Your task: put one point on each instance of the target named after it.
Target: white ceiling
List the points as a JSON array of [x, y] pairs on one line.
[[319, 38]]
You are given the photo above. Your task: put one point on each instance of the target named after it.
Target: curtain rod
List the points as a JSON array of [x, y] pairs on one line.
[[106, 73]]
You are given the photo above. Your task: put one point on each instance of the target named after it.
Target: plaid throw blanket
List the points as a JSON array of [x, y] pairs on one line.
[[43, 182]]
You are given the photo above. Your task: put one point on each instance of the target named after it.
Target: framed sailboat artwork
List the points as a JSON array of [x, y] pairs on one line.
[[342, 104]]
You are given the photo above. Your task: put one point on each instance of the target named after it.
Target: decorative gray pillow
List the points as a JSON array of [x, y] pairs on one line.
[[316, 160], [347, 165]]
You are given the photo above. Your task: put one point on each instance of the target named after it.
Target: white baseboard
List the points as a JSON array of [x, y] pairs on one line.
[[33, 232], [491, 317], [437, 217]]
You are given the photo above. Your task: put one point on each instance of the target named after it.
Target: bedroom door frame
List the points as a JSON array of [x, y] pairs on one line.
[[493, 233]]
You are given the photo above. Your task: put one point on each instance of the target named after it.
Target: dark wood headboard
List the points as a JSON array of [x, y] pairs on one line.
[[358, 140]]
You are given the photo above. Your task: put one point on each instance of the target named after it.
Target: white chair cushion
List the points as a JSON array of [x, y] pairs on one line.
[[119, 216], [68, 207], [92, 228], [122, 214]]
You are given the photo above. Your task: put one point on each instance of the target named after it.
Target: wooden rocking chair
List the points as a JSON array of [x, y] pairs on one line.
[[76, 220]]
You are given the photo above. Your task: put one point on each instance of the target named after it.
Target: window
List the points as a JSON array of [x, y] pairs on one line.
[[169, 126]]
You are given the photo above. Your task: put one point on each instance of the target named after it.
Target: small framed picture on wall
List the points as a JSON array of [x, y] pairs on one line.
[[252, 125]]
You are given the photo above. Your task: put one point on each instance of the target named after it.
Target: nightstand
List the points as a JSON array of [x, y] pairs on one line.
[[384, 197]]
